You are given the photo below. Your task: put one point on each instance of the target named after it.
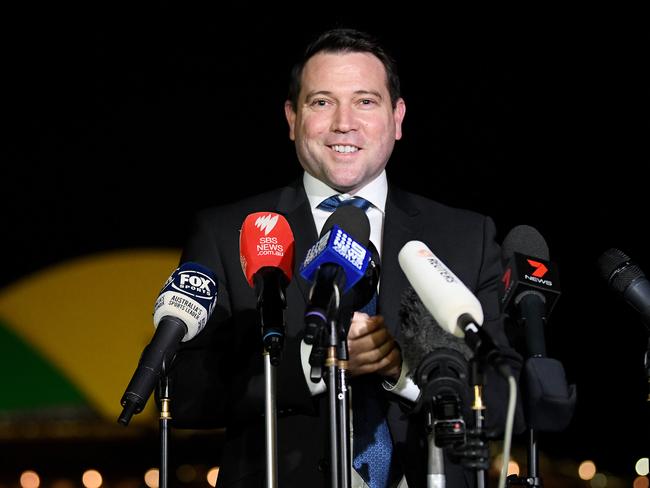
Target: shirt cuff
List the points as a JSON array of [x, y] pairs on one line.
[[314, 388], [405, 386]]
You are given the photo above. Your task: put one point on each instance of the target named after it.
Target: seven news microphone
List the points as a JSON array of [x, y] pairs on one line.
[[530, 283]]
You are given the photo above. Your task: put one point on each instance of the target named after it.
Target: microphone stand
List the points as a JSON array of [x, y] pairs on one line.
[[479, 407], [435, 457], [343, 397], [270, 419], [548, 408], [270, 288], [165, 417], [323, 360], [332, 380], [330, 350], [646, 364]]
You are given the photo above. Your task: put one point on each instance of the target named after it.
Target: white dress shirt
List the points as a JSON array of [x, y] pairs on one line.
[[376, 193]]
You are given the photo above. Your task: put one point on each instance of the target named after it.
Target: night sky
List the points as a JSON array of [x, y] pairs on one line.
[[117, 131]]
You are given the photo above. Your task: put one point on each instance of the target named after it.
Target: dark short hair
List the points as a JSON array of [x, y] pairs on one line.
[[345, 41]]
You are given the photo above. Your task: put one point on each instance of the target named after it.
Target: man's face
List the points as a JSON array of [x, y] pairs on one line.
[[344, 125]]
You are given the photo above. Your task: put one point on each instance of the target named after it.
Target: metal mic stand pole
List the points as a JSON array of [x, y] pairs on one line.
[[533, 460], [532, 479], [332, 380], [165, 417], [435, 458], [271, 306], [270, 419], [646, 363], [343, 397], [478, 406]]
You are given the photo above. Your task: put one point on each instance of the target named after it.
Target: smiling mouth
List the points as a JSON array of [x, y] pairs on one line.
[[344, 149]]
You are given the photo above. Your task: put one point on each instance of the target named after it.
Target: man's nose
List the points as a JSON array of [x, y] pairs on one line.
[[344, 119]]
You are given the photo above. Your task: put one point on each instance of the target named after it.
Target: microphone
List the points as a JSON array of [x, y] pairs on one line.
[[266, 252], [625, 277], [458, 312], [336, 263], [182, 309], [451, 303], [531, 288], [531, 285], [440, 358], [441, 374]]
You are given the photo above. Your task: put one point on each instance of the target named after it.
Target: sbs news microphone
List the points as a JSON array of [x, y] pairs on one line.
[[531, 285], [335, 264], [627, 279], [266, 252], [181, 311], [451, 303]]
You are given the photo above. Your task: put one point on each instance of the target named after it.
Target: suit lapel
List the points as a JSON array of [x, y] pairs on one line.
[[400, 226], [294, 205]]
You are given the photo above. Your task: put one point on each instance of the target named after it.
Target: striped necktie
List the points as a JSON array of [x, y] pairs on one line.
[[332, 203], [372, 444]]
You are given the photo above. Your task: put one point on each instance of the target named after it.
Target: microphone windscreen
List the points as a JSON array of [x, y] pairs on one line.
[[421, 333], [352, 220], [525, 240], [189, 294], [266, 240], [618, 269]]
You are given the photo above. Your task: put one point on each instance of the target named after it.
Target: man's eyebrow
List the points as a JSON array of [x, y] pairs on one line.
[[329, 93]]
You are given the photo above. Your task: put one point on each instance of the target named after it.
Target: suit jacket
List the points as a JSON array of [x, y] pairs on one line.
[[218, 376]]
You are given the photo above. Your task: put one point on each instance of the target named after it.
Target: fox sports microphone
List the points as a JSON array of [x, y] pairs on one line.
[[182, 309], [335, 264], [446, 297], [531, 285], [625, 277], [266, 252]]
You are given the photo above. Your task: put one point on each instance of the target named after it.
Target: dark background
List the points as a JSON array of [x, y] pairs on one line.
[[120, 125]]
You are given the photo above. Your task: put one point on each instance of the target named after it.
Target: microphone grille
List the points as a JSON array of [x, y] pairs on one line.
[[527, 240], [618, 269], [351, 219]]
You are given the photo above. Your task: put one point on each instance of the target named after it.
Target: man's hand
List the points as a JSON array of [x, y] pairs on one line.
[[371, 347]]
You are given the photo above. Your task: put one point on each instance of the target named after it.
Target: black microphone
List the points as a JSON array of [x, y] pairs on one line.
[[625, 277], [530, 284], [182, 309], [530, 290], [337, 262]]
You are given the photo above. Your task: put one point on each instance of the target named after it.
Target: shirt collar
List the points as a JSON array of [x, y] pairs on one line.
[[375, 192]]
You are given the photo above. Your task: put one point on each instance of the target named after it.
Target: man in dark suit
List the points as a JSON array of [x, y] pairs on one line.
[[345, 114]]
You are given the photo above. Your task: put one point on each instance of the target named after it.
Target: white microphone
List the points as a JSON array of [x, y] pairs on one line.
[[459, 312], [450, 302], [445, 296]]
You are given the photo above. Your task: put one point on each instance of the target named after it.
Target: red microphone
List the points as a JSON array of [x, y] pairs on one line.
[[266, 252]]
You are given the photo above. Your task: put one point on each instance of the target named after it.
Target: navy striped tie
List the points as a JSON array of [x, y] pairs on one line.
[[332, 203], [372, 444]]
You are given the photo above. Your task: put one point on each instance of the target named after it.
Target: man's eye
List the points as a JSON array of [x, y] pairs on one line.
[[319, 103]]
